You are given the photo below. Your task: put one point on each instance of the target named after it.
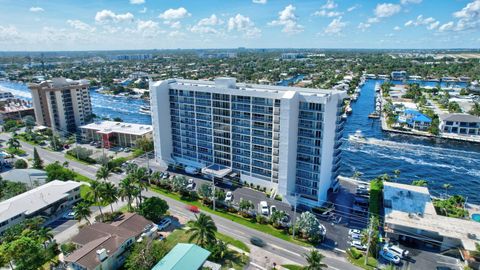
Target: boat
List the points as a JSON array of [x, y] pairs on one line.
[[374, 115], [354, 97], [145, 110], [348, 109], [344, 116], [357, 137], [377, 87]]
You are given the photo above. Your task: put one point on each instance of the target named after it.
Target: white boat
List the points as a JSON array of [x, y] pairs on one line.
[[354, 97], [348, 109], [145, 110], [344, 115], [357, 137], [377, 87]]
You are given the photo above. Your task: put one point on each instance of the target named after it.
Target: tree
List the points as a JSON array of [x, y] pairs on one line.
[[29, 122], [309, 226], [218, 249], [20, 164], [475, 110], [420, 183], [45, 235], [245, 206], [55, 143], [314, 260], [103, 173], [82, 211], [145, 144], [96, 193], [146, 254], [55, 171], [37, 161], [153, 208], [127, 191], [202, 230], [109, 194], [13, 143], [26, 253], [372, 235], [277, 217], [205, 191]]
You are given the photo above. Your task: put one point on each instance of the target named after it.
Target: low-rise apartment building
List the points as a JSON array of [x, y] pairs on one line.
[[62, 104], [46, 201], [460, 123], [111, 133]]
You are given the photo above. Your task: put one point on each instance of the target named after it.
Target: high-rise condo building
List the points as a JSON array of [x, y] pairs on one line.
[[62, 104], [282, 138]]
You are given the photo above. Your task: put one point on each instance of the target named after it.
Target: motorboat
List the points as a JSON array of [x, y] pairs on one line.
[[348, 109], [357, 137], [145, 110]]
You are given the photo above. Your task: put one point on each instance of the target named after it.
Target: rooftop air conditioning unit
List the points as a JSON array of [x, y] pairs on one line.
[[102, 254]]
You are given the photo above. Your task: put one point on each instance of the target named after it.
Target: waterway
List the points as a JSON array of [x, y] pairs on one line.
[[416, 158]]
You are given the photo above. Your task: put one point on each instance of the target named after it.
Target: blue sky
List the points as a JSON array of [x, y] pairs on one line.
[[163, 24]]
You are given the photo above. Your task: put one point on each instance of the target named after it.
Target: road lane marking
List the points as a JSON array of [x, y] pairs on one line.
[[258, 266], [286, 250]]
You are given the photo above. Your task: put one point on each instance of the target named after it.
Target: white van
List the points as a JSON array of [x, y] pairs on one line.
[[402, 253]]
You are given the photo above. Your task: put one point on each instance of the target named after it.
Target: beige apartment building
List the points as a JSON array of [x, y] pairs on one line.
[[62, 104]]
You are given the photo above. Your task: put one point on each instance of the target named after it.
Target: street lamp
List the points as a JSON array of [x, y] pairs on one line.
[[294, 196]]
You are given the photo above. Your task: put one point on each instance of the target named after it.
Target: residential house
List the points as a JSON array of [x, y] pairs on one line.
[[415, 119], [460, 123]]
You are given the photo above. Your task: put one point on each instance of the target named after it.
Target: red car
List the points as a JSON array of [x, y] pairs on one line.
[[192, 208]]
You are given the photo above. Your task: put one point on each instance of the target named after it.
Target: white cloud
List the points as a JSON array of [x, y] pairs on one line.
[[244, 25], [212, 20], [373, 20], [363, 26], [144, 10], [206, 25], [108, 15], [288, 20], [433, 25], [329, 14], [148, 29], [352, 8], [174, 24], [137, 2], [329, 5], [36, 9], [397, 28], [469, 16], [79, 25], [259, 1], [175, 14], [430, 22], [386, 10], [446, 27], [405, 2], [336, 26], [9, 34], [176, 34]]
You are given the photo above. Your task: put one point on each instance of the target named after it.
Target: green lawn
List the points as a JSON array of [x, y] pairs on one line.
[[81, 178], [234, 242], [70, 157], [233, 260], [236, 218], [292, 267]]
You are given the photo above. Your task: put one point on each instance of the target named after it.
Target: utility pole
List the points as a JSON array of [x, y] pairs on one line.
[[213, 190], [369, 239], [295, 196]]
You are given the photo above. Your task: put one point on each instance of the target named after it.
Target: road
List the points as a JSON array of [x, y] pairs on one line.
[[275, 245]]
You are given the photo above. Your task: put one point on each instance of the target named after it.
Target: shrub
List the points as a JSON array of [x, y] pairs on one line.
[[82, 154], [20, 164], [354, 253], [67, 248], [262, 219]]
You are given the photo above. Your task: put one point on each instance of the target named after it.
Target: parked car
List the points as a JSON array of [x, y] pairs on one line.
[[402, 253], [69, 215], [358, 245], [165, 175], [228, 196], [355, 236], [191, 186], [164, 223], [273, 208], [389, 256], [257, 241], [126, 150], [354, 231], [264, 208], [92, 143]]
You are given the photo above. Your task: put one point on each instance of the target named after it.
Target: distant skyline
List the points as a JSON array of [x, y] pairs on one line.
[[42, 25]]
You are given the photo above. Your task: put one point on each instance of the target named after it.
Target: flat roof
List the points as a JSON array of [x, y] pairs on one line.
[[27, 176], [107, 127], [217, 170], [183, 256], [411, 206], [35, 199]]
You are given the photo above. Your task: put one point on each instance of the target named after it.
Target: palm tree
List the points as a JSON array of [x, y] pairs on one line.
[[95, 193], [45, 234], [447, 186], [314, 260], [82, 211], [109, 194], [202, 230], [103, 173], [155, 177], [396, 173], [13, 143], [127, 191]]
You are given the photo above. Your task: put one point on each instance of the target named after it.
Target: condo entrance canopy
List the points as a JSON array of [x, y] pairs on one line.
[[216, 170]]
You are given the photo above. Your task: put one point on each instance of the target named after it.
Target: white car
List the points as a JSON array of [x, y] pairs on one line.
[[402, 253], [69, 215], [273, 208], [264, 208], [389, 256], [229, 196], [190, 181], [358, 245], [354, 231], [164, 223], [355, 236]]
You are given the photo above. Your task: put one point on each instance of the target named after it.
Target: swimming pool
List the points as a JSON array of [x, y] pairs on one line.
[[476, 217]]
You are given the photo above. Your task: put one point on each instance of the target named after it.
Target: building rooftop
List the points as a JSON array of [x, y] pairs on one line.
[[460, 117], [56, 83], [230, 83], [35, 199], [183, 256], [411, 206], [106, 127], [27, 176], [105, 236]]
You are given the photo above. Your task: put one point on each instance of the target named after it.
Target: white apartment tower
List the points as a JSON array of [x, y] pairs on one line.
[[282, 138], [62, 104]]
